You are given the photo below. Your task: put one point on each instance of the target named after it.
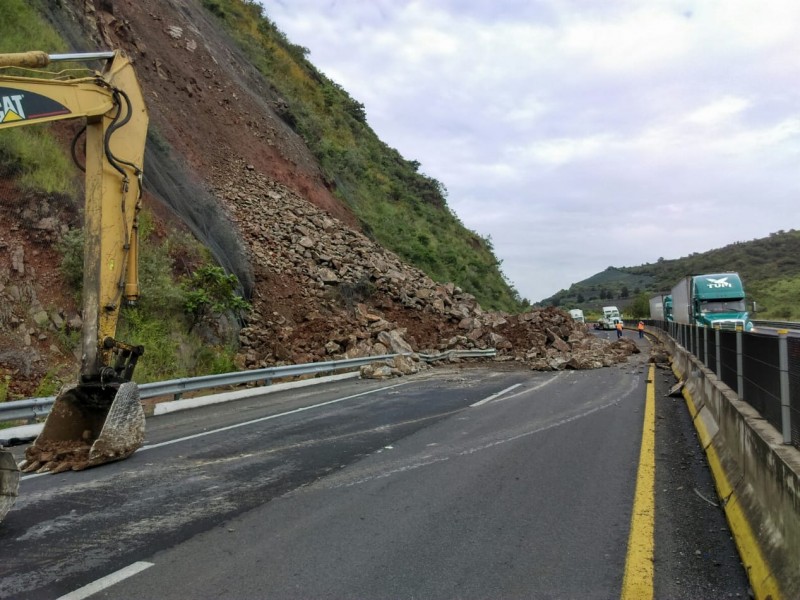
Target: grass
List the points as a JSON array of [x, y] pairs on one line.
[[776, 299]]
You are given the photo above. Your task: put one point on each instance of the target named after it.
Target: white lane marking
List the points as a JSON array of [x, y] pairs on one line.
[[497, 395], [525, 391], [267, 418], [432, 460], [427, 460], [237, 425], [107, 581]]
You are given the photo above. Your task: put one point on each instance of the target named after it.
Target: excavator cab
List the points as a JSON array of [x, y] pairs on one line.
[[100, 418]]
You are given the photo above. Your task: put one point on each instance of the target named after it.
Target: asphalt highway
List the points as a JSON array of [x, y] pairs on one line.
[[461, 482]]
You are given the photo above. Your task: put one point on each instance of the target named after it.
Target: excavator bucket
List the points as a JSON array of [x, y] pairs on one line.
[[9, 482], [88, 425]]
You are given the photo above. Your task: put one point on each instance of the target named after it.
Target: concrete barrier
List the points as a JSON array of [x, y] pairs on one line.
[[757, 476]]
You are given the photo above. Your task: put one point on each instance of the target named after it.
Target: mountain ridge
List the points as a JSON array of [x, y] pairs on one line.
[[769, 267]]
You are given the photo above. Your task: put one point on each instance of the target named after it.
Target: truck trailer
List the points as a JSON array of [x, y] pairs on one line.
[[657, 307], [711, 300]]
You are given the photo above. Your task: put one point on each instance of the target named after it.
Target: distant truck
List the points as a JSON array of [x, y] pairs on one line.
[[711, 300], [610, 318], [657, 307], [577, 315]]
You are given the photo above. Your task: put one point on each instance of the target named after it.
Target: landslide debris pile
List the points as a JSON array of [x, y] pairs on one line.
[[325, 292]]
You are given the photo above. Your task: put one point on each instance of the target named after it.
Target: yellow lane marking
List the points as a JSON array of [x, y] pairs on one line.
[[637, 583], [764, 585]]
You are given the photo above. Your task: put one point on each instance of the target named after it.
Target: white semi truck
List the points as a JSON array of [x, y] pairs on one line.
[[610, 318]]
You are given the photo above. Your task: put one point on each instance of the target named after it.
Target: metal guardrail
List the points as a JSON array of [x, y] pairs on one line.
[[33, 408], [777, 324], [488, 353], [761, 368]]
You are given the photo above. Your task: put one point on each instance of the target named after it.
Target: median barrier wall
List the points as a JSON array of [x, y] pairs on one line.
[[757, 475]]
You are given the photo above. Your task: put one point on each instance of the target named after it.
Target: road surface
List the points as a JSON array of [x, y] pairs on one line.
[[468, 482]]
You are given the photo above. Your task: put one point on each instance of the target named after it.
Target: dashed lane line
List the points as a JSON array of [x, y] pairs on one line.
[[107, 581]]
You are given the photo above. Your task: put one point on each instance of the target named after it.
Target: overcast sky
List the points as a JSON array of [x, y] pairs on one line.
[[579, 134]]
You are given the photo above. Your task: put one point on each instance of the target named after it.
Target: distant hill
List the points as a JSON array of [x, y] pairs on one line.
[[770, 268]]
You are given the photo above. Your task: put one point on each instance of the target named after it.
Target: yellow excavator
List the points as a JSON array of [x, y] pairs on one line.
[[99, 419]]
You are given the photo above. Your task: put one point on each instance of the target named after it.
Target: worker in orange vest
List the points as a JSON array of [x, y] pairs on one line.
[[619, 329], [640, 327]]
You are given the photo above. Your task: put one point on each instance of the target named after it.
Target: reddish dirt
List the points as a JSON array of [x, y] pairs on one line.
[[29, 261], [57, 456], [203, 98]]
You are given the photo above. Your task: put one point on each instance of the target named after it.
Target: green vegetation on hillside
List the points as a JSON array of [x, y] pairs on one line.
[[170, 308], [769, 267], [31, 154], [400, 207]]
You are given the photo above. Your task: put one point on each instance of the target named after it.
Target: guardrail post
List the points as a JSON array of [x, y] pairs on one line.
[[718, 353], [783, 359], [705, 346], [739, 365]]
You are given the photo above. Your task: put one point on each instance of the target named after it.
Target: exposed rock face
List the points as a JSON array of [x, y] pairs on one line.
[[326, 291]]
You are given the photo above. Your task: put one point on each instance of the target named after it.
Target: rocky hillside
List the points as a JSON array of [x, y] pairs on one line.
[[325, 291], [223, 161]]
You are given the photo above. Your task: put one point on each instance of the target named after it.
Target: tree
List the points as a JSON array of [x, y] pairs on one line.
[[640, 307], [209, 293]]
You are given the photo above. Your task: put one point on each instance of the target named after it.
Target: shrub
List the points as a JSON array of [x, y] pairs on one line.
[[209, 292], [71, 248], [350, 294]]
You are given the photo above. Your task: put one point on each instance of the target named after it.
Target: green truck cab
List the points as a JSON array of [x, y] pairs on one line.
[[711, 300]]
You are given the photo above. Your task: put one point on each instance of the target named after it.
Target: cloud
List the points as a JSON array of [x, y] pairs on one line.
[[719, 111], [579, 134]]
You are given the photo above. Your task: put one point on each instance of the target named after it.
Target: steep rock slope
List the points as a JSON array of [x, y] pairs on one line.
[[326, 291], [222, 158]]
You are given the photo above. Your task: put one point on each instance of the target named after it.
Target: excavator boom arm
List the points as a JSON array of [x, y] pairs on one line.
[[111, 102], [98, 419]]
